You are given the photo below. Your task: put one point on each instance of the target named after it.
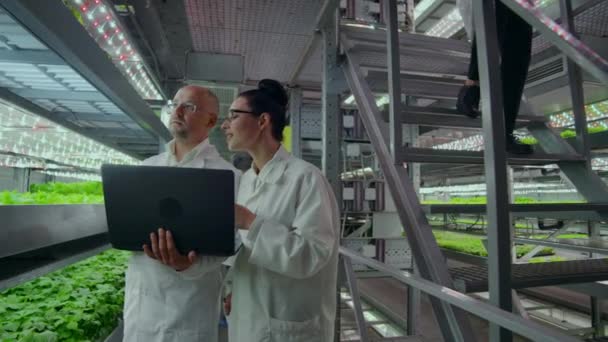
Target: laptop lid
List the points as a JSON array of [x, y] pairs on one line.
[[196, 205]]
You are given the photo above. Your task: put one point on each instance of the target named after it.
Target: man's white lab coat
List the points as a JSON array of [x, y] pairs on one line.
[[284, 275], [162, 304]]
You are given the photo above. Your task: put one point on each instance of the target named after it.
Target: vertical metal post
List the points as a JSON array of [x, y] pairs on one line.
[[295, 116], [351, 280], [394, 80], [575, 79], [499, 232], [338, 320], [332, 119], [412, 133], [511, 186], [596, 317], [413, 169], [389, 13], [22, 179], [410, 21], [413, 305], [350, 9]]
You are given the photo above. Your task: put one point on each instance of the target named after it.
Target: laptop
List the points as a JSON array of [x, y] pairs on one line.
[[196, 205]]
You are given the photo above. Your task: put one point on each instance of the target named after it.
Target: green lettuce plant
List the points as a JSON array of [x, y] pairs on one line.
[[81, 302]]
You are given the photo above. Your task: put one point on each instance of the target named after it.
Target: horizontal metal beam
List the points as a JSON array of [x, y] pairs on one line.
[[55, 26], [515, 323], [29, 227], [596, 140], [33, 94], [574, 211], [428, 155], [581, 245], [31, 56], [38, 239], [34, 266]]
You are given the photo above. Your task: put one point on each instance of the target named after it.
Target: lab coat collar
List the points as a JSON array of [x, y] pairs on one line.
[[273, 170], [204, 148]]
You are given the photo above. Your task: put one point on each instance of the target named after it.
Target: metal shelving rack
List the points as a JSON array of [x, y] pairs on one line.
[[401, 54]]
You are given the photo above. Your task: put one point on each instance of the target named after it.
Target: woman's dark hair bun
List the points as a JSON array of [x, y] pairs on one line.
[[274, 90]]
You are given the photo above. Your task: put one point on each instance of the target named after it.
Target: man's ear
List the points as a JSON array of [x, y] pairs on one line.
[[212, 120]]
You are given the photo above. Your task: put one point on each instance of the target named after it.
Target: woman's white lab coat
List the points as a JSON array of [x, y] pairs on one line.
[[163, 305], [284, 276]]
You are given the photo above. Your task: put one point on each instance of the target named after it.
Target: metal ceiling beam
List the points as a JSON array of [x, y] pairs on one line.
[[147, 15], [116, 132], [327, 10], [59, 94], [31, 56], [78, 116], [33, 108], [53, 23]]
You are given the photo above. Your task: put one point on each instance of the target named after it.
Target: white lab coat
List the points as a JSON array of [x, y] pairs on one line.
[[162, 304], [284, 275]]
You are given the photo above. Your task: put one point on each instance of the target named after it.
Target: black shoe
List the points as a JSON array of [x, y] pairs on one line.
[[517, 147], [468, 101]]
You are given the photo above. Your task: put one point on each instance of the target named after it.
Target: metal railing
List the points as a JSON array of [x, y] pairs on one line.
[[507, 320]]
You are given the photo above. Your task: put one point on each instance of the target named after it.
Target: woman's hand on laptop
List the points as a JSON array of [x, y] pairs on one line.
[[164, 250]]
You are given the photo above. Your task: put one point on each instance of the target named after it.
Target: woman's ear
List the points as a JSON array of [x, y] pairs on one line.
[[264, 120]]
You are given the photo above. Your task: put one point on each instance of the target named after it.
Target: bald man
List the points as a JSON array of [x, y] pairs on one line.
[[178, 299]]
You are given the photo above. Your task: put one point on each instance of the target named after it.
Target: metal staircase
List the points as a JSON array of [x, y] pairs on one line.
[[419, 65]]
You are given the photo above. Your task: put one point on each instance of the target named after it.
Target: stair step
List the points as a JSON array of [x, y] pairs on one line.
[[419, 53], [475, 278], [428, 155], [587, 211], [432, 87], [373, 40], [444, 117]]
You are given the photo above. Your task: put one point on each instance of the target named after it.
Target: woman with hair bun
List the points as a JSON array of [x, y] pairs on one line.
[[284, 276]]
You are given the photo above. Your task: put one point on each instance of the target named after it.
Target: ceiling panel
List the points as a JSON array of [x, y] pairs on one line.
[[271, 35]]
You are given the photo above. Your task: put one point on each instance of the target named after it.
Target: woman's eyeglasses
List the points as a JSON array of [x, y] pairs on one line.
[[234, 113]]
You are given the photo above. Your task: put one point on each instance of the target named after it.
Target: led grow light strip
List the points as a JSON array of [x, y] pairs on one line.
[[101, 23], [23, 133]]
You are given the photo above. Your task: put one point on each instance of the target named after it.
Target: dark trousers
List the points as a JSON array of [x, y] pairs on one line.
[[515, 41]]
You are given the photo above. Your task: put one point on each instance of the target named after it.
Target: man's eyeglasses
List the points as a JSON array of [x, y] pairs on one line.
[[189, 107]]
